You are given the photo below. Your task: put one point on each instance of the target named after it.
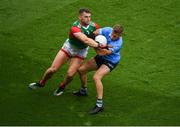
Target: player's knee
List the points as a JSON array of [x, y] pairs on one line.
[[70, 73], [81, 70], [96, 77]]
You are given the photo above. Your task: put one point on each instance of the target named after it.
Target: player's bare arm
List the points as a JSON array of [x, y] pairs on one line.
[[103, 51], [82, 37]]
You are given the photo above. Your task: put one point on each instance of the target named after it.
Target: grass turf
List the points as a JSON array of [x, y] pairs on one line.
[[143, 90]]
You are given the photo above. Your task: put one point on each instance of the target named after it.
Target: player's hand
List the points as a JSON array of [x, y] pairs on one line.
[[105, 46], [109, 46], [101, 46]]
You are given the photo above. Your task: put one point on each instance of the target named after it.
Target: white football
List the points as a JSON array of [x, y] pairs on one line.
[[101, 39]]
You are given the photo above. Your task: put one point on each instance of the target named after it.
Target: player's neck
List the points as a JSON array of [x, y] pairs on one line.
[[83, 24]]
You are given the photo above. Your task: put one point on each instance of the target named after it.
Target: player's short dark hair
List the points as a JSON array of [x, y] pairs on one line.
[[118, 29], [82, 10]]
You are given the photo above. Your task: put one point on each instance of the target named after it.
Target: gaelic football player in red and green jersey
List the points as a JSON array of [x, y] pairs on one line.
[[74, 49]]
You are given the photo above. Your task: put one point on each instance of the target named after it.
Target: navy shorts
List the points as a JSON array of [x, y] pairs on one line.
[[99, 61]]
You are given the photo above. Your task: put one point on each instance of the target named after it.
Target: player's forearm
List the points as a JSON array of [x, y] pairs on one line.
[[82, 37], [103, 52], [90, 42]]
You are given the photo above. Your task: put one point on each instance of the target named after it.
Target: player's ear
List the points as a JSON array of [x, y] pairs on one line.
[[79, 17]]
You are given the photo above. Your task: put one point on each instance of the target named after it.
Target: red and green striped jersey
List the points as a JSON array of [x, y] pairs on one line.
[[87, 30]]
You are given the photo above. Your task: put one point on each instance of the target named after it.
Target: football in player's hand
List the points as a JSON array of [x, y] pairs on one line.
[[101, 39]]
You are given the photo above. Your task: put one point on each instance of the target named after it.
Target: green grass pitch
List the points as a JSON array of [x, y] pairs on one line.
[[143, 90]]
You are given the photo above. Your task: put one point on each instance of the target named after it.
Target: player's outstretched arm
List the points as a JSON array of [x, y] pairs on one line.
[[82, 37]]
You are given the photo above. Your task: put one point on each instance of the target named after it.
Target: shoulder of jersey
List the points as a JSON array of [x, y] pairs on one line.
[[76, 23], [92, 24]]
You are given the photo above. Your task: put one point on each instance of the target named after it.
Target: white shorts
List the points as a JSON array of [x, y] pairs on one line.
[[70, 51]]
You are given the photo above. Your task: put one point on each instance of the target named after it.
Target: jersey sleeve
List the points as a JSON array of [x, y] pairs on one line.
[[100, 31], [104, 31], [115, 49], [75, 29], [97, 26]]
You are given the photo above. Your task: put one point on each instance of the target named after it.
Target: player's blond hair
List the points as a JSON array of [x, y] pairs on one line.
[[118, 28]]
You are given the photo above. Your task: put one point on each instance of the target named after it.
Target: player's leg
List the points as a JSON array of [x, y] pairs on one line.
[[75, 63], [61, 58], [89, 65], [100, 73]]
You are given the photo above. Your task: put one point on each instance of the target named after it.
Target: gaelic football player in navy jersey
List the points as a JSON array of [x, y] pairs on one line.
[[74, 49], [104, 62]]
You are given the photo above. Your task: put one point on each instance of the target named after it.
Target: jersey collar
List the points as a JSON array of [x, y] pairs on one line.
[[85, 27]]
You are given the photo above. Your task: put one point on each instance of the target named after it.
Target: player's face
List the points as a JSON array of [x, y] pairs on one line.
[[115, 36], [85, 18]]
